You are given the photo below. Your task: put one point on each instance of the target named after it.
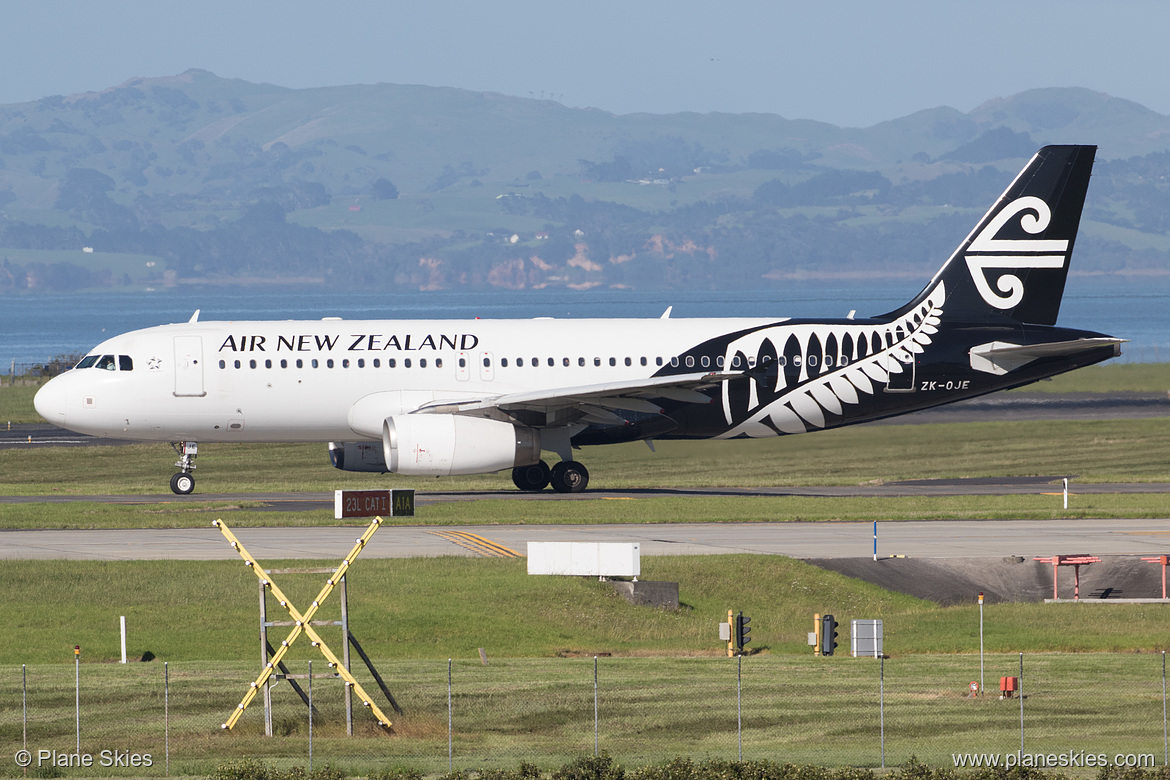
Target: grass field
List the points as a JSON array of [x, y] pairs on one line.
[[801, 710]]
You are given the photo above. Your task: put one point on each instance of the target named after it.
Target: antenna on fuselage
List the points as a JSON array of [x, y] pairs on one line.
[[666, 314], [195, 316]]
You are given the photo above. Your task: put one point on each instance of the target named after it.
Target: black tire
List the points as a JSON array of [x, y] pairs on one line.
[[569, 476], [183, 483], [531, 478]]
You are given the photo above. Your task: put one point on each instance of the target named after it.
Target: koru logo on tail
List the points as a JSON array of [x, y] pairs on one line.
[[987, 252]]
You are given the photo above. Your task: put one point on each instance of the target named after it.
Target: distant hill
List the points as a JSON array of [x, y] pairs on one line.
[[197, 179]]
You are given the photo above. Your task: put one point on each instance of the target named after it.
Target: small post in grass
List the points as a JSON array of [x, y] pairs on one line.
[[980, 642], [77, 693]]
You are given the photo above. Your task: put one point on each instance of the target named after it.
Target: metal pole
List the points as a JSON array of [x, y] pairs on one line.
[[739, 703], [596, 738], [1021, 703], [167, 715], [122, 620], [24, 697], [981, 688], [311, 717], [345, 655], [875, 540], [264, 659], [1066, 492], [77, 693], [450, 753], [882, 707], [1165, 742]]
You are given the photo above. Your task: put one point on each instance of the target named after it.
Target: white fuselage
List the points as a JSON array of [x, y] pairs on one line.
[[331, 380]]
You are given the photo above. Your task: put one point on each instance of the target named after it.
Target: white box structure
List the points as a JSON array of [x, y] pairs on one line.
[[865, 638], [585, 559]]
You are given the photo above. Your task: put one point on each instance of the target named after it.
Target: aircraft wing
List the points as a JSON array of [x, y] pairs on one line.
[[594, 402]]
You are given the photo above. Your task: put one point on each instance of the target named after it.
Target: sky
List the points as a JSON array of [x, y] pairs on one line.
[[848, 63]]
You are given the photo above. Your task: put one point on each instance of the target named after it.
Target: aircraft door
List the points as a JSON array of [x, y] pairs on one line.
[[189, 367], [901, 373], [487, 369], [462, 372]]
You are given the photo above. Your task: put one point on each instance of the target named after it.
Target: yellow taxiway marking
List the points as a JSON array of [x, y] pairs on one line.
[[477, 544]]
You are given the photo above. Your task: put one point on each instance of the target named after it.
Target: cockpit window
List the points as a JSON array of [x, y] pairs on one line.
[[125, 363], [87, 361], [107, 362]]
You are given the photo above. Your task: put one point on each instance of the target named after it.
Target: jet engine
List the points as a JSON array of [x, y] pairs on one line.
[[444, 444], [357, 456]]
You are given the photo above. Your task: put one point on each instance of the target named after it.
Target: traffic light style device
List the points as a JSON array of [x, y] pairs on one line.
[[742, 631], [828, 635]]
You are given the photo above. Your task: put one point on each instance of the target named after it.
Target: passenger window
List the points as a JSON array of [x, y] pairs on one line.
[[391, 363], [361, 362], [705, 361], [237, 364], [597, 361], [581, 361], [439, 363], [643, 360], [565, 362], [345, 363], [377, 362], [87, 361], [463, 362], [613, 361], [223, 364], [283, 363], [520, 362], [300, 363], [535, 362], [125, 363], [551, 362], [487, 362], [690, 361], [719, 361], [422, 362], [674, 361], [629, 362], [658, 361], [737, 361], [251, 363], [268, 364], [503, 362], [406, 362], [315, 364], [107, 362], [329, 363]]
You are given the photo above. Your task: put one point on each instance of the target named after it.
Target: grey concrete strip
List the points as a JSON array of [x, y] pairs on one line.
[[942, 539]]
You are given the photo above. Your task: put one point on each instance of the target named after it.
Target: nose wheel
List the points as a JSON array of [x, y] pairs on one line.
[[183, 483]]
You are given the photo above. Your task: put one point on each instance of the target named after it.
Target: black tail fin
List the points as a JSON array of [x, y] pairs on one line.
[[1014, 263]]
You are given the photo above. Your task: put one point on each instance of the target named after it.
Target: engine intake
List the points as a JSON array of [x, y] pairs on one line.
[[444, 444], [357, 456]]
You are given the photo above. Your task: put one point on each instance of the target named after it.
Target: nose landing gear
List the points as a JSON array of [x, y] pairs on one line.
[[183, 483]]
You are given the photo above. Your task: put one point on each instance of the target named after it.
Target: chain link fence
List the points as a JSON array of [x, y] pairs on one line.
[[837, 711]]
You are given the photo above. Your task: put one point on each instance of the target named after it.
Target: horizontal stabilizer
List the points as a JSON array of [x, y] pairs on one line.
[[1000, 357]]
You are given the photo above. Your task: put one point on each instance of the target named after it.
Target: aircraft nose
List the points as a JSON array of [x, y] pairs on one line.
[[50, 402]]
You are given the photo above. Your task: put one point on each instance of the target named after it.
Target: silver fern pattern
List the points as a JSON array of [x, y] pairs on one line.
[[823, 368]]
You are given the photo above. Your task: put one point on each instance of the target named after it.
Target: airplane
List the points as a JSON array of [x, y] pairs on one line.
[[447, 397]]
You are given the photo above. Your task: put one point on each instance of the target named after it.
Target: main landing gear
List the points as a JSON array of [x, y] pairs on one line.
[[183, 483], [568, 476]]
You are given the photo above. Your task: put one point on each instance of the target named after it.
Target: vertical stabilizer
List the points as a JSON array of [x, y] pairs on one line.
[[1015, 262]]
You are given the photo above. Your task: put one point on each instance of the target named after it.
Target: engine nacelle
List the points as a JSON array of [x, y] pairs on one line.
[[443, 444], [357, 456]]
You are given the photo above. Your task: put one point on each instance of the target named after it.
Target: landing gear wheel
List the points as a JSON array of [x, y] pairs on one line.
[[569, 476], [183, 484], [534, 477]]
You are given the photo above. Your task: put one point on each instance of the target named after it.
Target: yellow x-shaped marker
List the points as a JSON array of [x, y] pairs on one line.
[[302, 623]]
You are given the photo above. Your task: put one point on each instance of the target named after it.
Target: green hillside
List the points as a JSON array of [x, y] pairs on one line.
[[220, 180]]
